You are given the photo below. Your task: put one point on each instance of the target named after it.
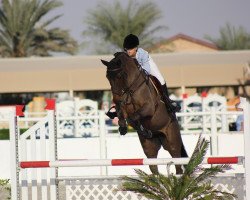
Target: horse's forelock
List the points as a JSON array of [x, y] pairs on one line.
[[115, 66], [123, 57], [120, 60]]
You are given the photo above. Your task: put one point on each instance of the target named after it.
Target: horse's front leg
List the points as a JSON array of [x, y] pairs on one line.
[[121, 120]]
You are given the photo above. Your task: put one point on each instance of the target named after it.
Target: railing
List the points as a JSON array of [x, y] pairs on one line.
[[97, 125], [87, 125]]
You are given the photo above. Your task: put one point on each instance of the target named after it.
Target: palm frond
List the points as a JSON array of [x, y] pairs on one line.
[[231, 38], [112, 22], [189, 185], [20, 29], [197, 156]]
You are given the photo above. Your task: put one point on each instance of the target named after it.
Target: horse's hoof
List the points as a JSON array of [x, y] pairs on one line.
[[123, 130]]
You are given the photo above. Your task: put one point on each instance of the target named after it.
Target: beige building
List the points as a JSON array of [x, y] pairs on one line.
[[183, 43], [193, 66], [82, 73]]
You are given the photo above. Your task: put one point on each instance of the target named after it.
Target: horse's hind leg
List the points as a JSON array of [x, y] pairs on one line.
[[172, 142], [151, 147]]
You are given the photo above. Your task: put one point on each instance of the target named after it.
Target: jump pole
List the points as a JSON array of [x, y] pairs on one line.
[[126, 162]]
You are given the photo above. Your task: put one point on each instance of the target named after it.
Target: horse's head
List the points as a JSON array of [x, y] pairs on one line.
[[114, 67], [122, 70], [120, 65], [116, 73]]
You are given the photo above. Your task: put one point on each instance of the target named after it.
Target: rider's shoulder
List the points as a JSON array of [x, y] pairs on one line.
[[142, 51]]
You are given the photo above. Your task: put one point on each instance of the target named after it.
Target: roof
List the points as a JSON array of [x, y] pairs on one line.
[[182, 43], [192, 39], [81, 73]]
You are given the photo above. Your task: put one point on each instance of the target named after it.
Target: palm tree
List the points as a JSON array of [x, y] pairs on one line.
[[194, 184], [231, 38], [111, 23], [23, 34]]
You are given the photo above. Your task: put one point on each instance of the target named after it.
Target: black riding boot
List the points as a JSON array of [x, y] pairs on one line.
[[170, 104]]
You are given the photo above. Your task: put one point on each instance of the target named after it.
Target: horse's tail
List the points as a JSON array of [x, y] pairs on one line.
[[183, 151]]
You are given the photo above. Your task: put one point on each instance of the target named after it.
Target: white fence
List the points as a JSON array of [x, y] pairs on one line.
[[213, 130], [80, 118], [47, 126], [51, 151]]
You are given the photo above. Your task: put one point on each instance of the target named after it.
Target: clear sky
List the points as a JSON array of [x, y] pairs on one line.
[[191, 17]]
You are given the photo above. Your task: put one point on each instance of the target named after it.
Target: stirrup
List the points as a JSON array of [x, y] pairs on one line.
[[175, 106], [171, 105]]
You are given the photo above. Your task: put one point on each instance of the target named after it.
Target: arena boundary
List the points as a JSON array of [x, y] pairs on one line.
[[19, 162]]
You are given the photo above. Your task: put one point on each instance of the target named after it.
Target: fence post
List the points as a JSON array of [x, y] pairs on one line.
[[76, 121], [214, 137], [102, 138], [224, 121], [246, 111], [14, 156], [53, 154]]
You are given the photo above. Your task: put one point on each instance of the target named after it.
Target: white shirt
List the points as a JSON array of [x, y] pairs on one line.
[[147, 63]]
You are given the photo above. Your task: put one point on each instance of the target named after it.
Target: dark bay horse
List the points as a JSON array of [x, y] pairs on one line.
[[139, 104]]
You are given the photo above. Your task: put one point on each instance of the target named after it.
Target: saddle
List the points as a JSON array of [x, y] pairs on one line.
[[156, 84], [141, 130]]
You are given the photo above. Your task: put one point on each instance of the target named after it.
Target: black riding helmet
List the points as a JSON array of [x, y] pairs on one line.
[[130, 41]]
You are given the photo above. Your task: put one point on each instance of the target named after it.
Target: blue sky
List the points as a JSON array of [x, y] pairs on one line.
[[192, 17]]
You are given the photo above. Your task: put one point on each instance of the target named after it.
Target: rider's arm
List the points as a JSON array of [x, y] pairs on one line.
[[149, 65], [142, 57]]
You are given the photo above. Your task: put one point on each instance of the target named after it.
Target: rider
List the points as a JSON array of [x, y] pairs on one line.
[[130, 46]]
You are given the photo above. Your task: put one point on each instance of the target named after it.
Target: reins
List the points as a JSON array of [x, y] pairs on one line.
[[132, 88]]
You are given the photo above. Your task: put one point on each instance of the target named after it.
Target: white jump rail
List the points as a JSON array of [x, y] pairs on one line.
[[20, 164], [123, 162]]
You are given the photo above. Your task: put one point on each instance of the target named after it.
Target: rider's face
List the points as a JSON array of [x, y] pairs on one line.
[[131, 52]]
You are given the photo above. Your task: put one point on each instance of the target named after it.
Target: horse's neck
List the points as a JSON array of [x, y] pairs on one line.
[[132, 72]]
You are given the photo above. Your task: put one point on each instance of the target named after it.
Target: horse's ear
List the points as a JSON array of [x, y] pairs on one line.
[[105, 62]]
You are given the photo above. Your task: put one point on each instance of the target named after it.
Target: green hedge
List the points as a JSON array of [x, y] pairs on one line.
[[4, 133]]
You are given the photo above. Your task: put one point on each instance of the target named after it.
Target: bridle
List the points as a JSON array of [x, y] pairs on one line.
[[127, 92]]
